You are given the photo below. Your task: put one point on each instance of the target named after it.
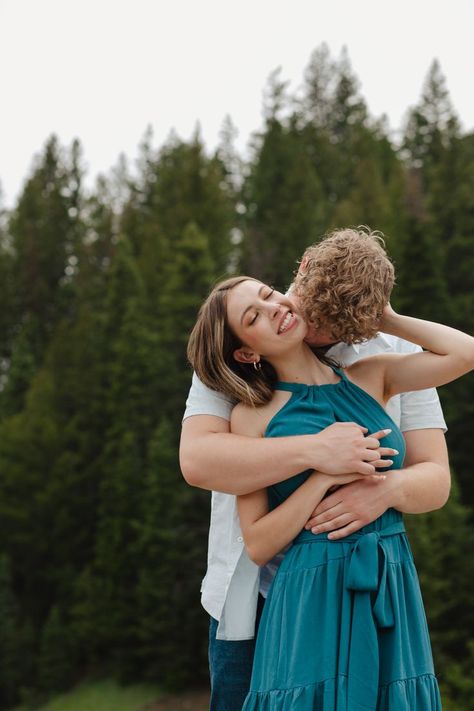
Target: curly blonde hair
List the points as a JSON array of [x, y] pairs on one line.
[[344, 282]]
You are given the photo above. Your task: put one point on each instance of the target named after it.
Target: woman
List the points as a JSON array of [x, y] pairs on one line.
[[343, 627]]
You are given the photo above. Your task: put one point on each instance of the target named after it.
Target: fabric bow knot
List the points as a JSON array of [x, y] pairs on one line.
[[367, 559]]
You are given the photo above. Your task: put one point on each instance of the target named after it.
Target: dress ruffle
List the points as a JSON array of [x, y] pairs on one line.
[[331, 695]]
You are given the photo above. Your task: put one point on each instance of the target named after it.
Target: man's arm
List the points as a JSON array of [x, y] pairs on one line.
[[213, 458], [423, 485]]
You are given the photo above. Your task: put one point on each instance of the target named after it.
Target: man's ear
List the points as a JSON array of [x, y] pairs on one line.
[[245, 355]]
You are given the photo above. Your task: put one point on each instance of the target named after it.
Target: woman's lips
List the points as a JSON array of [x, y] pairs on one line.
[[288, 322]]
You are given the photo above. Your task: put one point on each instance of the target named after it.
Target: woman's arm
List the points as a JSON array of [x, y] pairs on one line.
[[448, 354], [267, 533]]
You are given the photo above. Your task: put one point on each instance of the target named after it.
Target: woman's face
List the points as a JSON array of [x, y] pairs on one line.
[[263, 319]]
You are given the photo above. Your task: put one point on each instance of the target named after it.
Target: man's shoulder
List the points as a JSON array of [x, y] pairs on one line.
[[382, 343], [204, 401], [394, 343]]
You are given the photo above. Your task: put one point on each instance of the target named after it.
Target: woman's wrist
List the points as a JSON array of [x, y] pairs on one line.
[[323, 482], [389, 320]]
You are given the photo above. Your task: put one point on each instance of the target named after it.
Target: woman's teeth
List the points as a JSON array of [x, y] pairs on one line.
[[286, 322]]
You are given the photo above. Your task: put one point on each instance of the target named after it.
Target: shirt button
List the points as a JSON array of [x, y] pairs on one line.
[[240, 539]]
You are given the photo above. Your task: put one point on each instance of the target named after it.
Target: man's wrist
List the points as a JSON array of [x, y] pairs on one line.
[[394, 488]]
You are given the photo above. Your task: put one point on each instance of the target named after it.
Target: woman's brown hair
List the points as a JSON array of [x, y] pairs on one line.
[[211, 349]]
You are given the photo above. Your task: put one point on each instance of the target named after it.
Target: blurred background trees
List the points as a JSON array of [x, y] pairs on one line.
[[102, 544]]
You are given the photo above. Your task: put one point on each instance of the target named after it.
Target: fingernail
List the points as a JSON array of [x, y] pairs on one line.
[[386, 431], [395, 451], [315, 530]]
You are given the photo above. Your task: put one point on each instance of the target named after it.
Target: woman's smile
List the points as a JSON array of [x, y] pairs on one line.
[[289, 320]]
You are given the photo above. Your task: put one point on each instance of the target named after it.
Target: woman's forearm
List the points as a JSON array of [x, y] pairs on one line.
[[434, 337], [268, 535], [448, 354]]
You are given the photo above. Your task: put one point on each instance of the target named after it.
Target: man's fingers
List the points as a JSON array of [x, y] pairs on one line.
[[322, 516], [345, 531], [371, 442], [365, 468], [337, 522]]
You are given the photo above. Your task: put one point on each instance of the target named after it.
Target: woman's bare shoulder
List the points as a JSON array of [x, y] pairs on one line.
[[368, 374], [252, 421]]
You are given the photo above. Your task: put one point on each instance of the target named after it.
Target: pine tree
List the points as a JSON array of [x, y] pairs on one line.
[[440, 540], [44, 231], [284, 206], [55, 662], [10, 639]]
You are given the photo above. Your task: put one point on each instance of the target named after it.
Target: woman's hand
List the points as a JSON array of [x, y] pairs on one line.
[[388, 314]]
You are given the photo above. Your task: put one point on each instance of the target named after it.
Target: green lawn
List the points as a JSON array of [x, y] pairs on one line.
[[101, 696]]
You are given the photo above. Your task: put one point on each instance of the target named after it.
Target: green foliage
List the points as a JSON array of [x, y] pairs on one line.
[[106, 695], [102, 543], [440, 541], [10, 640], [56, 660]]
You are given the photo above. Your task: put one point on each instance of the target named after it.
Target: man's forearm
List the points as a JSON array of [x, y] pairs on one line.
[[419, 488], [240, 465], [213, 458]]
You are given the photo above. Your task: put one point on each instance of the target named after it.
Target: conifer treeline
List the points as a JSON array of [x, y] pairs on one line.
[[102, 543]]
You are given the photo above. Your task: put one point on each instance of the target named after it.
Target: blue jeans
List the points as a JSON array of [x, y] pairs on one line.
[[230, 667]]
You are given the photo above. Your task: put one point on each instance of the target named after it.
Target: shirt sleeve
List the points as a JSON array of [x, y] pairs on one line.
[[204, 401], [420, 409]]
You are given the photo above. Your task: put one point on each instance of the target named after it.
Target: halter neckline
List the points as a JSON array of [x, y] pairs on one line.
[[298, 387]]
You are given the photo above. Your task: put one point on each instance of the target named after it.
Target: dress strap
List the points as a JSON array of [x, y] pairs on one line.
[[339, 371]]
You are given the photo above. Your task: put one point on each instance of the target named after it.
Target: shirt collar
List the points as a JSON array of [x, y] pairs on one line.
[[382, 340]]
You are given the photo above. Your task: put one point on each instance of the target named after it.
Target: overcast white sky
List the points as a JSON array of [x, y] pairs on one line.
[[102, 70]]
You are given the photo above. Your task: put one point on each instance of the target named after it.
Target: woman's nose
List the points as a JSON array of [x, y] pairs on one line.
[[275, 310]]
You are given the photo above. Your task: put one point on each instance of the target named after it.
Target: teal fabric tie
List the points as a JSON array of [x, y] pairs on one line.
[[368, 557]]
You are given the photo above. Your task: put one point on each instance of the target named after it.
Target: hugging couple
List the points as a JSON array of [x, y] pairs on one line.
[[313, 419]]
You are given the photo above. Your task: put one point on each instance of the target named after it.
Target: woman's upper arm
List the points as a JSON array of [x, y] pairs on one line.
[[416, 371], [251, 507]]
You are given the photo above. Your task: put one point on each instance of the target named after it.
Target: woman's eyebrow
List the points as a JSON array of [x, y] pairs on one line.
[[251, 305]]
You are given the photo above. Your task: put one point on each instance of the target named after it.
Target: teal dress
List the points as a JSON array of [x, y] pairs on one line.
[[343, 627]]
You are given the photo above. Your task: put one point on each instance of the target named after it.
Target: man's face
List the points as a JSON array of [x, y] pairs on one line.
[[319, 337]]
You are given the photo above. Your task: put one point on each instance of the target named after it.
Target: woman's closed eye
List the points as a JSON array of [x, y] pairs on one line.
[[266, 296]]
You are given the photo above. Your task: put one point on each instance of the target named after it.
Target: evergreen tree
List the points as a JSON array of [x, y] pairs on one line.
[[56, 662], [10, 640], [284, 206], [44, 230], [440, 540]]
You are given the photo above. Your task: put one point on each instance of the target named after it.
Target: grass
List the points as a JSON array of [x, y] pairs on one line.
[[102, 696]]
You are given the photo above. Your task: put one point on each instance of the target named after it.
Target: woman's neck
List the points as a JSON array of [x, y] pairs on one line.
[[302, 366]]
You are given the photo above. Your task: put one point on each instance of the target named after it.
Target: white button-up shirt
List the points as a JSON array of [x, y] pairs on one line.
[[229, 591]]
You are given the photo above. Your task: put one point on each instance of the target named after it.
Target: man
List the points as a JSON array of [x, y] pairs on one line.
[[229, 465]]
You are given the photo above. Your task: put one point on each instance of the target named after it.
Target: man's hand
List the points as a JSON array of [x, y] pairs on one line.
[[352, 506], [343, 448]]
